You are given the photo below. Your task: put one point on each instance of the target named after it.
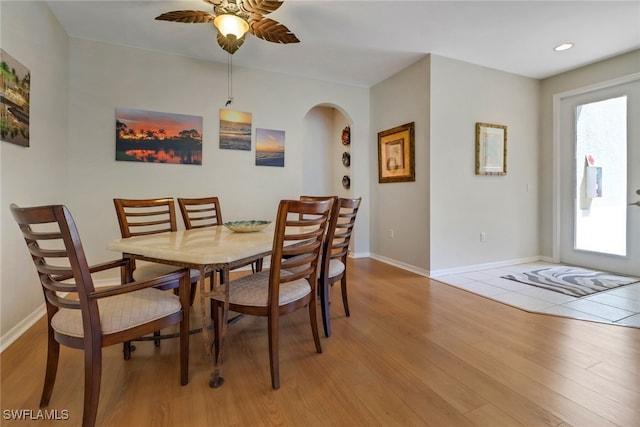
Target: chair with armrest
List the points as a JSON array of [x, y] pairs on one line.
[[139, 217], [87, 318], [291, 281]]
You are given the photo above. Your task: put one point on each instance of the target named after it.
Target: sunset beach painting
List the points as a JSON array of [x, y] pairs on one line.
[[153, 137], [269, 147], [235, 130]]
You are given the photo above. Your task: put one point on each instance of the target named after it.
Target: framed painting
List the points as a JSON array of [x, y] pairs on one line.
[[396, 154], [15, 89], [235, 130], [269, 147], [491, 149], [155, 137]]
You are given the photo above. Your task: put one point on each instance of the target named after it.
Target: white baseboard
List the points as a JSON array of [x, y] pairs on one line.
[[457, 270], [485, 266], [402, 265], [16, 332]]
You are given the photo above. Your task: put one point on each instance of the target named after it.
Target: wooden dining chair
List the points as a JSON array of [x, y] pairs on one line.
[[205, 212], [291, 281], [334, 255], [200, 212], [87, 318], [141, 217]]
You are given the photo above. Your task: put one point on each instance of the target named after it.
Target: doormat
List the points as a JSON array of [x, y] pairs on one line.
[[573, 281]]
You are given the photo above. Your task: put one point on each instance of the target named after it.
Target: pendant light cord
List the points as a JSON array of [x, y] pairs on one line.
[[229, 80]]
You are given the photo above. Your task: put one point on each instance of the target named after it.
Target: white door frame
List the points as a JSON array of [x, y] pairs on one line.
[[557, 99]]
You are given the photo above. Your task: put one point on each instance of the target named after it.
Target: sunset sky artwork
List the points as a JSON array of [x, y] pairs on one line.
[[235, 130], [269, 140], [155, 137], [235, 116], [269, 147], [172, 124]]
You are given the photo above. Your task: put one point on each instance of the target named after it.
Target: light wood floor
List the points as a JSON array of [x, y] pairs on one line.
[[415, 352]]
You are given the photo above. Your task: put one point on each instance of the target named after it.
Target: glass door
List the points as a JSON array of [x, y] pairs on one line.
[[599, 173]]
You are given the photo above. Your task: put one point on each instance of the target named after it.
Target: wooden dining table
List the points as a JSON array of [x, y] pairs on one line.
[[210, 250]]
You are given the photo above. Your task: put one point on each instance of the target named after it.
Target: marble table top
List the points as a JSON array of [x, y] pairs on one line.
[[200, 246]]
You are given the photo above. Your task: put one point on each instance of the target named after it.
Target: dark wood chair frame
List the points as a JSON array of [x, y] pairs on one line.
[[200, 212], [57, 278], [336, 247], [203, 212], [140, 217], [301, 260]]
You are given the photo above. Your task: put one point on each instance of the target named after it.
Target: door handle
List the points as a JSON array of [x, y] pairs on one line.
[[635, 203]]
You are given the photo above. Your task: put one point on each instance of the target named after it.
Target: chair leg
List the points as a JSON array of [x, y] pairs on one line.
[[184, 351], [92, 378], [258, 266], [192, 295], [211, 284], [345, 301], [324, 306], [127, 348], [274, 359], [216, 316], [313, 317], [53, 353]]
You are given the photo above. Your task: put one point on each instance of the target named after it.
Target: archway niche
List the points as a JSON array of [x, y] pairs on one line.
[[325, 163]]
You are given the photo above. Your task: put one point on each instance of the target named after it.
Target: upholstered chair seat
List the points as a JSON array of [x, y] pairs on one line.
[[120, 312], [253, 290]]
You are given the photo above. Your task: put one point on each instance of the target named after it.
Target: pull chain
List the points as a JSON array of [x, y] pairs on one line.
[[229, 81]]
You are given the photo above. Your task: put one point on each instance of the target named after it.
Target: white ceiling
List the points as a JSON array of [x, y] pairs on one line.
[[362, 42]]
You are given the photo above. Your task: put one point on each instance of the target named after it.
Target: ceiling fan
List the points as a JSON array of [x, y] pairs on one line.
[[234, 18]]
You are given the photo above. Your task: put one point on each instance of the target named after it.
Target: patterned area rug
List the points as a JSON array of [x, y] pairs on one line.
[[573, 281]]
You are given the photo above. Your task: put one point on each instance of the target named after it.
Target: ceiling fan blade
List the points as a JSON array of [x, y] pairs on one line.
[[270, 30], [230, 45], [187, 16], [261, 7]]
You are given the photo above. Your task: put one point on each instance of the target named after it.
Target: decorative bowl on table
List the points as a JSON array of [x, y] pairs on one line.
[[246, 226]]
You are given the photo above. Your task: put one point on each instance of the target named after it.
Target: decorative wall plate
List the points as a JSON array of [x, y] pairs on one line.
[[346, 136], [346, 159], [346, 182]]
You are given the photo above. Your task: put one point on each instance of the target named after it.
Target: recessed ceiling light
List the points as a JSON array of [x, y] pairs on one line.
[[563, 46]]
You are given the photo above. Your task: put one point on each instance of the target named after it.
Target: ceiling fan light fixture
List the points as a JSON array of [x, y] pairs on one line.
[[231, 25]]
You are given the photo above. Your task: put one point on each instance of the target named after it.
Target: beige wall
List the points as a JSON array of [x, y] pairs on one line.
[[37, 174], [402, 206], [104, 77], [463, 204]]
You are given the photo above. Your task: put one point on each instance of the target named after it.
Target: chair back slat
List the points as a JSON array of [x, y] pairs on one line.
[[343, 230], [140, 217], [58, 255], [299, 233], [200, 212]]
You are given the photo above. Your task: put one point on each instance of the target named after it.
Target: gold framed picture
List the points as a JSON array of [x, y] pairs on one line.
[[491, 149], [396, 154]]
